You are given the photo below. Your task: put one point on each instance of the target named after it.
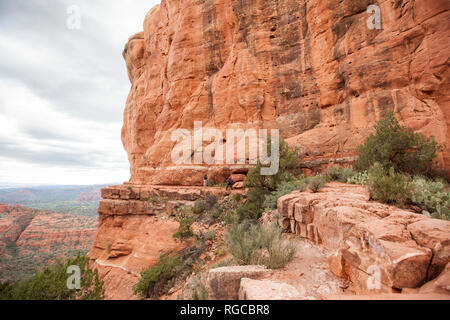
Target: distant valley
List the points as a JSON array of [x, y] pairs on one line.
[[38, 225]]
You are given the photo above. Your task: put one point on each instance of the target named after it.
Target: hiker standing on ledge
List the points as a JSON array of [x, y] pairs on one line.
[[229, 184], [205, 181]]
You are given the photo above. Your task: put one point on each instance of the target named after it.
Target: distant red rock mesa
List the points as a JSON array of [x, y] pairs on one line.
[[31, 239]]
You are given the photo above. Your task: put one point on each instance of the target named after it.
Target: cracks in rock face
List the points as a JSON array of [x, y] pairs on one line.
[[213, 48], [430, 263]]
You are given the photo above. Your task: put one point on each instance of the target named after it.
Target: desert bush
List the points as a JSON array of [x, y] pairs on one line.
[[289, 165], [156, 281], [361, 178], [200, 292], [394, 146], [280, 251], [195, 290], [51, 284], [200, 206], [316, 183], [186, 219], [206, 236], [431, 196], [338, 173], [215, 215], [222, 251], [388, 186], [211, 201], [252, 209], [223, 263], [285, 187], [153, 199], [243, 241], [260, 186], [250, 244]]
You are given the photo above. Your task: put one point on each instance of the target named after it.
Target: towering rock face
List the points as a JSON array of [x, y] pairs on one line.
[[312, 69]]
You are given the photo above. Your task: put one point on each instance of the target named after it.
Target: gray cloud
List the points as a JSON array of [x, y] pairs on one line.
[[62, 92]]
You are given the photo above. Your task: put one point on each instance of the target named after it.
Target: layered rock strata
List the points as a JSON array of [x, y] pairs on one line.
[[318, 71], [135, 228], [379, 248]]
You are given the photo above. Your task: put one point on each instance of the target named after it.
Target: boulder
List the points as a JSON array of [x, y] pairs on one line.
[[380, 248], [440, 285], [237, 178], [238, 185], [435, 235], [224, 283], [266, 290]]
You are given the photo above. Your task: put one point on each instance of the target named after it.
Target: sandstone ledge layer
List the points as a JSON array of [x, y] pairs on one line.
[[379, 248], [135, 227]]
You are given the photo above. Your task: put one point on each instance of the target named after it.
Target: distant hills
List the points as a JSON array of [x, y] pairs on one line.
[[24, 196], [75, 200], [41, 224], [31, 240]]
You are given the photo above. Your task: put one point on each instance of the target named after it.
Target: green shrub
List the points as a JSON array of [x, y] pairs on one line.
[[223, 263], [361, 178], [394, 146], [280, 252], [206, 236], [186, 219], [157, 280], [199, 206], [388, 186], [215, 215], [250, 244], [289, 165], [431, 197], [250, 210], [316, 183], [51, 284], [195, 290], [285, 187], [222, 251], [211, 201], [243, 241], [338, 173], [153, 199]]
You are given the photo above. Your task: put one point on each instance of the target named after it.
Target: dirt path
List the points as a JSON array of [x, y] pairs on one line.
[[308, 272]]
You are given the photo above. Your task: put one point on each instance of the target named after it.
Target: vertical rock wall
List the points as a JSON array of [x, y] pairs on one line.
[[312, 69]]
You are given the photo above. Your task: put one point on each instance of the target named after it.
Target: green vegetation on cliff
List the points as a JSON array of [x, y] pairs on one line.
[[52, 284]]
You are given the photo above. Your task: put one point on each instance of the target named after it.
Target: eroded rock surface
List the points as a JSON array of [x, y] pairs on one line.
[[312, 69], [380, 248], [266, 290], [135, 228], [224, 283]]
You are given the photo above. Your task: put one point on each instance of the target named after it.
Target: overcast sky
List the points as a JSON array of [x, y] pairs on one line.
[[63, 91]]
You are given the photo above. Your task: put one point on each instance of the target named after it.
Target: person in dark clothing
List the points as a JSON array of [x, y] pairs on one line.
[[205, 181], [229, 185]]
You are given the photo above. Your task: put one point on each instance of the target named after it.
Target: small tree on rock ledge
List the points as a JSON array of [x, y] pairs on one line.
[[398, 147]]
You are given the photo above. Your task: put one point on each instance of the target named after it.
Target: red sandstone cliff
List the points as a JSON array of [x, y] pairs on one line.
[[312, 69]]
